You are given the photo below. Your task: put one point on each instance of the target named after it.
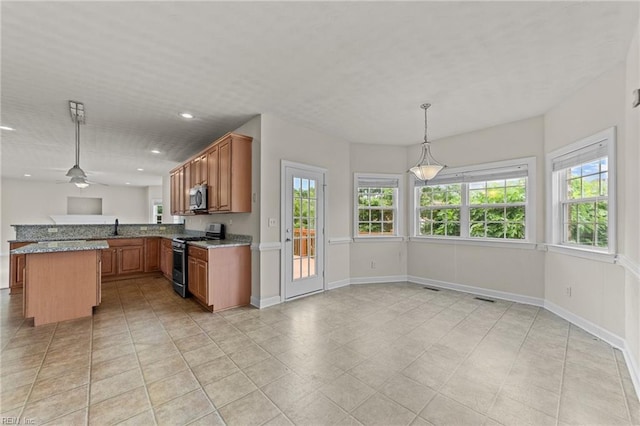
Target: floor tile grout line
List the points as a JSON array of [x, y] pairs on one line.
[[239, 370], [437, 391], [495, 398], [564, 366], [33, 384], [624, 392], [146, 391], [181, 356]]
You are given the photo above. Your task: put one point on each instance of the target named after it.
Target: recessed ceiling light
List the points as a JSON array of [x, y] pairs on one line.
[[155, 151], [140, 170], [186, 115], [127, 183], [27, 175], [11, 129]]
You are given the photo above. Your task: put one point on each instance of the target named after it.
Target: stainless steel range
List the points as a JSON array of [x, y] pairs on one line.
[[215, 231]]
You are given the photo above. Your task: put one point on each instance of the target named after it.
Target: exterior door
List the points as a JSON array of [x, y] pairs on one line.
[[303, 230]]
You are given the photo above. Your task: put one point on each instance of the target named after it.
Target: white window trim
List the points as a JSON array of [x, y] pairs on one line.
[[530, 208], [398, 214], [554, 215]]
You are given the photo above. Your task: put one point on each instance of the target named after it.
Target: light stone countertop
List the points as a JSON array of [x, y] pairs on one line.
[[209, 244], [59, 246]]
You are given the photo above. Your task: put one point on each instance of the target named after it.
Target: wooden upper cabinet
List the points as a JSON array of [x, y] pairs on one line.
[[212, 167], [230, 168], [199, 170], [177, 192], [186, 186], [225, 167]]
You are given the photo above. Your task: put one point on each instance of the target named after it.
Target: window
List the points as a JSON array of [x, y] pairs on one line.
[[376, 205], [582, 193], [482, 202]]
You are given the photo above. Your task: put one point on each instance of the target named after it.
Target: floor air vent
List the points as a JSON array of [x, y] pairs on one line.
[[484, 300], [432, 289]]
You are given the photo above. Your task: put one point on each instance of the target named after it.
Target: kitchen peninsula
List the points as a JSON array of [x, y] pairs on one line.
[[62, 279]]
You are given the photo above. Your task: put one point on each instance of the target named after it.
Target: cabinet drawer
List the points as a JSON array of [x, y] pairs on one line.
[[198, 253], [125, 242]]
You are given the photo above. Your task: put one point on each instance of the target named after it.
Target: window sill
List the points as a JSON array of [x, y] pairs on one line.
[[378, 239], [582, 253], [481, 243]]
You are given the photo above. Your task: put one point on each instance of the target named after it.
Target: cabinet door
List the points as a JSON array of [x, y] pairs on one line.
[[224, 176], [201, 273], [192, 277], [167, 261], [180, 191], [21, 260], [152, 254], [109, 257], [130, 260], [204, 178], [212, 167], [174, 191], [186, 186]]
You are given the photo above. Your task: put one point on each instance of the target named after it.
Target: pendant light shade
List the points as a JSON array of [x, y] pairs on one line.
[[427, 167]]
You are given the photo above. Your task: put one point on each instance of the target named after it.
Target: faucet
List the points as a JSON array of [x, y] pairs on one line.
[[116, 229]]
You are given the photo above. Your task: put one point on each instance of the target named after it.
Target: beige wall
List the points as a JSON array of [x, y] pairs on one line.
[[510, 270], [597, 288], [378, 258], [631, 225], [282, 140]]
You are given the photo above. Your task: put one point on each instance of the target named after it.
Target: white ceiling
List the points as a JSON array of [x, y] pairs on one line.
[[351, 69]]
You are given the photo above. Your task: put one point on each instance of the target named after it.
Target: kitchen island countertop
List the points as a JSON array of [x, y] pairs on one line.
[[59, 246]]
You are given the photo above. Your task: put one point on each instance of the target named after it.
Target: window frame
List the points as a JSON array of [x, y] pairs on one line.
[[556, 194], [480, 170], [397, 207]]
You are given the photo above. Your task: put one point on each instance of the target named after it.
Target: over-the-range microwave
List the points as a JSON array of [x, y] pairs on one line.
[[198, 198]]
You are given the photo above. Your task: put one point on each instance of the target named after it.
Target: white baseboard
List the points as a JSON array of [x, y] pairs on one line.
[[265, 303], [634, 370], [602, 334], [337, 284], [495, 294], [378, 280]]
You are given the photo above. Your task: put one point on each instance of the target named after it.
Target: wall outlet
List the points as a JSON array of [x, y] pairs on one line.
[[230, 221], [52, 230], [373, 264], [568, 291], [272, 222], [162, 228], [143, 228]]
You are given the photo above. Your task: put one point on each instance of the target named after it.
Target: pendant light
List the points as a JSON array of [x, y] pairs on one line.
[[77, 175], [428, 167]]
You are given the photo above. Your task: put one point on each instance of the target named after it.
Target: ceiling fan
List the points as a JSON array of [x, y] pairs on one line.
[[77, 175]]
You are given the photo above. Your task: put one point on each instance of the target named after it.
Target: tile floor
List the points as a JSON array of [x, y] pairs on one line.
[[385, 354]]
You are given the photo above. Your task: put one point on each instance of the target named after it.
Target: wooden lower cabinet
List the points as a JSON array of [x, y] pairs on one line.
[[152, 254], [124, 257], [61, 286], [166, 258], [197, 276], [223, 280], [16, 268], [109, 262]]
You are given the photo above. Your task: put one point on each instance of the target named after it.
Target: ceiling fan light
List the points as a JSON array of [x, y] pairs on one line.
[[76, 171], [80, 182]]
